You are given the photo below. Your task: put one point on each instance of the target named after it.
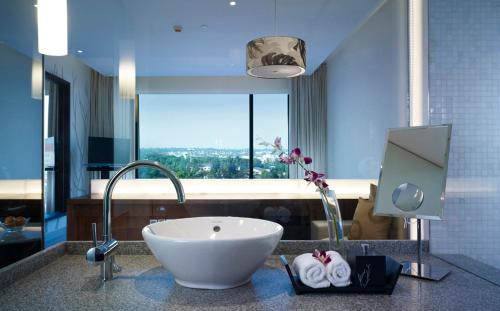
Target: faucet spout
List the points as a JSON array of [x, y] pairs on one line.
[[181, 197], [104, 253]]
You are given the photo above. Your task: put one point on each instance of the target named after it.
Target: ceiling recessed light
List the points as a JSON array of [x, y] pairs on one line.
[[79, 51], [52, 24], [232, 3], [177, 28], [204, 27]]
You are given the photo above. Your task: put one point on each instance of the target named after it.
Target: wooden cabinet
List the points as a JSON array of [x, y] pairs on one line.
[[129, 216]]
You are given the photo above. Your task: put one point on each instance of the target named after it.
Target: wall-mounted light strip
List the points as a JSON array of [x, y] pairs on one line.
[[53, 27], [36, 79], [418, 78], [417, 28]]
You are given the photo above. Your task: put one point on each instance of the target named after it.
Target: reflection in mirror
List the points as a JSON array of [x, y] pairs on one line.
[[21, 110], [413, 175], [191, 107], [407, 197], [125, 92]]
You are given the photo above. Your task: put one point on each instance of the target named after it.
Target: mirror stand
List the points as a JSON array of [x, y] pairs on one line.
[[420, 270]]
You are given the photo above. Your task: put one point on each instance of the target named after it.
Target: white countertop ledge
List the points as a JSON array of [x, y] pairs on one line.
[[231, 188]]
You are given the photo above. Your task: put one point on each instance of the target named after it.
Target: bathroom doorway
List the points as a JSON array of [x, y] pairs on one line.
[[56, 157]]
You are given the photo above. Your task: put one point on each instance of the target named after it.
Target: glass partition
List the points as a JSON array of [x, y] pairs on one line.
[[21, 116]]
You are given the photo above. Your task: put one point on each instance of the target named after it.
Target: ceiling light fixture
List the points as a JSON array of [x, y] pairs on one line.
[[79, 51], [232, 3], [53, 27], [276, 57], [126, 78]]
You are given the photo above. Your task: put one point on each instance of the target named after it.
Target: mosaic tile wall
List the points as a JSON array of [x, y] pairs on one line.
[[464, 66]]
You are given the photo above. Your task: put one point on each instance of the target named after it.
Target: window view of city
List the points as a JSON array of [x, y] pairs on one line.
[[270, 119], [207, 135]]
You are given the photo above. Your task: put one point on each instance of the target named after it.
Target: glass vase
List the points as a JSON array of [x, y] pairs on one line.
[[334, 221]]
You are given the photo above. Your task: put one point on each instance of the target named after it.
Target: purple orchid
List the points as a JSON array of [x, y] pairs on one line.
[[318, 179], [295, 155], [313, 177], [285, 159], [322, 256], [321, 184]]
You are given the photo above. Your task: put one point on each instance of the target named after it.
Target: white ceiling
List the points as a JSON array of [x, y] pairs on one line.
[[106, 29]]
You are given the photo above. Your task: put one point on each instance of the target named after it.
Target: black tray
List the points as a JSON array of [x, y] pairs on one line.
[[393, 269]]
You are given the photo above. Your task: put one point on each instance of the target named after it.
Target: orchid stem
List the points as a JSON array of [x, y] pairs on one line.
[[332, 213], [334, 219]]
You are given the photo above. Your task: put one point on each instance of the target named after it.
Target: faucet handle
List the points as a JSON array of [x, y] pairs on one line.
[[94, 233]]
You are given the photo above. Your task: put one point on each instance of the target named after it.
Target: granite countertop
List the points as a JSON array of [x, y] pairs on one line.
[[68, 283]]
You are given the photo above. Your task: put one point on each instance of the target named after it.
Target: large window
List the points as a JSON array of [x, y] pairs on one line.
[[212, 135]]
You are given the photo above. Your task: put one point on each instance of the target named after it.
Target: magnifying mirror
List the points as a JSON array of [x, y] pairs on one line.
[[412, 183], [407, 197], [413, 174]]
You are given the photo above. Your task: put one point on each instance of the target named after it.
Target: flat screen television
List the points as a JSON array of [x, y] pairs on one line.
[[105, 151]]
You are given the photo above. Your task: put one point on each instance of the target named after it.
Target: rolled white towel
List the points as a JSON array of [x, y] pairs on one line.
[[311, 271], [338, 271]]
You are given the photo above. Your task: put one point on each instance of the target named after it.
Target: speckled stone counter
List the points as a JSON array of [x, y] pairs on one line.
[[24, 267], [68, 283], [283, 248]]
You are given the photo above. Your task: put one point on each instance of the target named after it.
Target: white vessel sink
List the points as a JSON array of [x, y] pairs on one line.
[[212, 252]]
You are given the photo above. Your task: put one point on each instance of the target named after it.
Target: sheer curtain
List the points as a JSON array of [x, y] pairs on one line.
[[101, 109], [307, 119], [101, 105]]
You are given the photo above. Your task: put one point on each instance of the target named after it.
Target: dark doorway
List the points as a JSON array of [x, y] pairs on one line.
[[56, 157]]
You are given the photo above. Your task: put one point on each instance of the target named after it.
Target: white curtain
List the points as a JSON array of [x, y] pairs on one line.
[[307, 119], [124, 115]]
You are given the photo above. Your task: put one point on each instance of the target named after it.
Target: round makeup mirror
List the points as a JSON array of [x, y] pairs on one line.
[[407, 197]]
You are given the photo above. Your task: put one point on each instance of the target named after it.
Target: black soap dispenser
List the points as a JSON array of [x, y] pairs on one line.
[[370, 268]]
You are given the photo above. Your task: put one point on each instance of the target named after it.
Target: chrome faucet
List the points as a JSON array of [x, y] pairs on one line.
[[103, 254]]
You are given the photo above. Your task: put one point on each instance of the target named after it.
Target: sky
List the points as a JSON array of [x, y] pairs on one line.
[[209, 120]]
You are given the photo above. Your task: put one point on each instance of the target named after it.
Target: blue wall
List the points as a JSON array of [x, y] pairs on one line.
[[20, 118], [367, 85]]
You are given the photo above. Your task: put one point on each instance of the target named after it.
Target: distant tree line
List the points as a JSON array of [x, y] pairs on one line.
[[212, 166]]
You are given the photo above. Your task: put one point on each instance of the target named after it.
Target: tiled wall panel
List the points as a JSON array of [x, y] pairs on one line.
[[464, 66]]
